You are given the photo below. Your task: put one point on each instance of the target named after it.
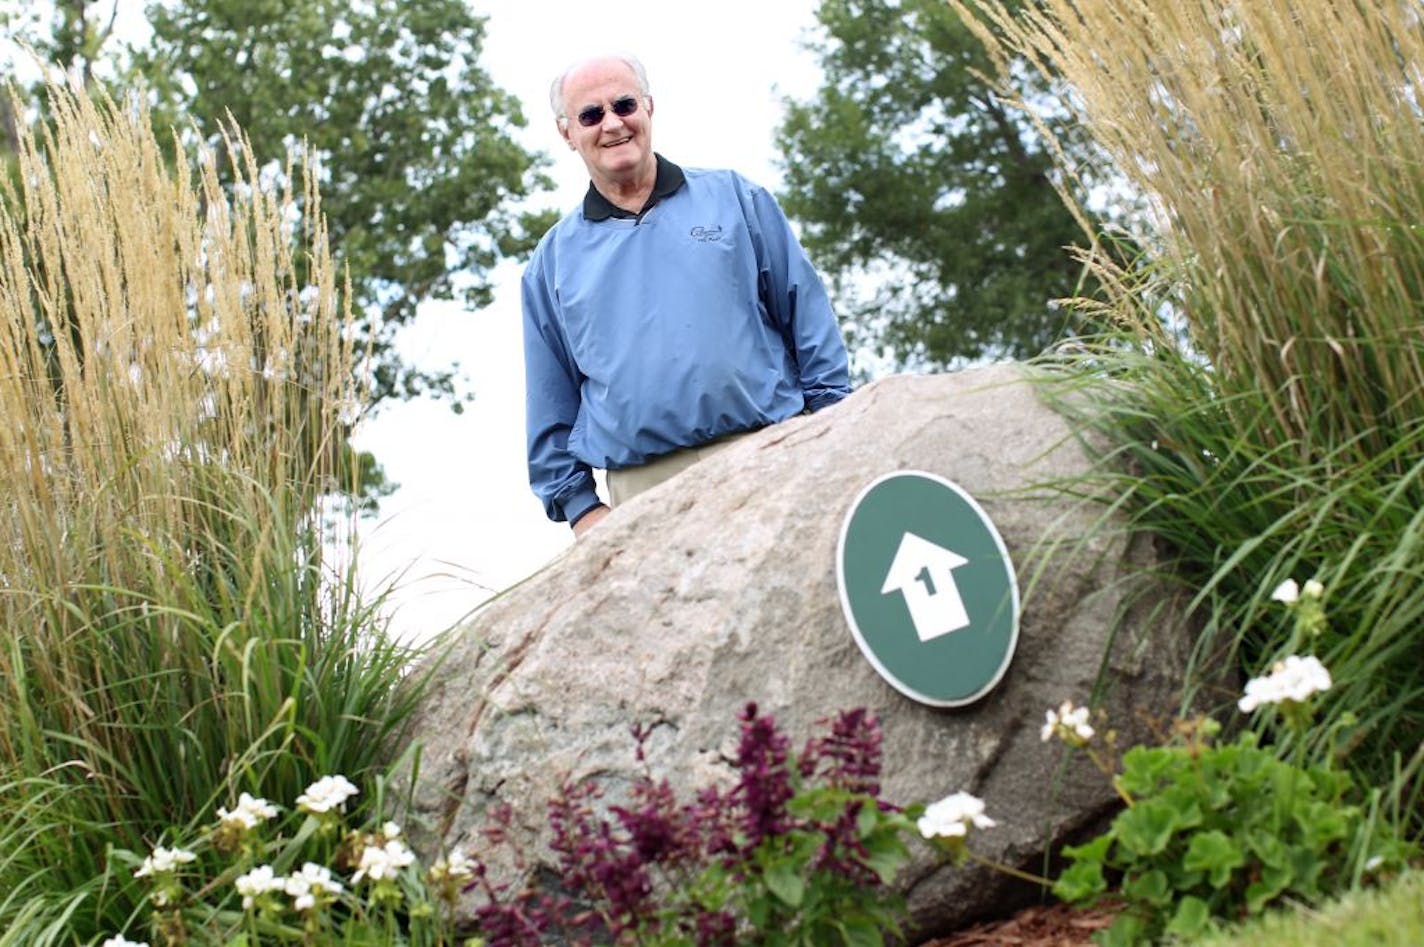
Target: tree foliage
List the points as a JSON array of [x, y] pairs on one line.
[[420, 173], [927, 200]]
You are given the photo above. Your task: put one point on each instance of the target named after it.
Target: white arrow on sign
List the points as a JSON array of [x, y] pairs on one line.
[[924, 573]]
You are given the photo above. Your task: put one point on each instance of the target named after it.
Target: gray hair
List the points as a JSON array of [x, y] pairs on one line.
[[556, 91]]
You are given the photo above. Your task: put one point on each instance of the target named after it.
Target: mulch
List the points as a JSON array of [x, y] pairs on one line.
[[1044, 925]]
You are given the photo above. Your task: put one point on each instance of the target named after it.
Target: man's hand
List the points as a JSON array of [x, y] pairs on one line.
[[589, 520]]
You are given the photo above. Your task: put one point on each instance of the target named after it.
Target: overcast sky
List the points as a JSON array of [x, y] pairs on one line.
[[464, 522]]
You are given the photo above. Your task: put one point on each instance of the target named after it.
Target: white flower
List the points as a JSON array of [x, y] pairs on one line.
[[119, 940], [952, 816], [379, 862], [326, 794], [1292, 679], [453, 867], [248, 813], [1068, 723], [257, 882], [1312, 589], [390, 830], [1286, 592], [304, 886], [163, 860]]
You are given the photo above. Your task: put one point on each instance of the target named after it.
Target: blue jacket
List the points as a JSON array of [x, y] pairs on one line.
[[699, 318]]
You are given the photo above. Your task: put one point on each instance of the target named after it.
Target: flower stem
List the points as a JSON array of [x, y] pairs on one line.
[[1010, 870], [1121, 793]]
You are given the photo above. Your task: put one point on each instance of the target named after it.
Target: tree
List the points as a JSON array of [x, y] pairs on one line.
[[924, 197], [421, 175]]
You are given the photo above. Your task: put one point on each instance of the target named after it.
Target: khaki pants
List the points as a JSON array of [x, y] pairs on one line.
[[627, 483]]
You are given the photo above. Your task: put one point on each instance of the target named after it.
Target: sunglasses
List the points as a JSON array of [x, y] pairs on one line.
[[623, 106]]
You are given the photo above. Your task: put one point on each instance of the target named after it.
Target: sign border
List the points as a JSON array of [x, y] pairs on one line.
[[860, 641]]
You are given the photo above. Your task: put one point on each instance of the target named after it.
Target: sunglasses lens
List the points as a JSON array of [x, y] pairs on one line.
[[592, 115]]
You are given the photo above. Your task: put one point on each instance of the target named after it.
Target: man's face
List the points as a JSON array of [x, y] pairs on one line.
[[615, 148]]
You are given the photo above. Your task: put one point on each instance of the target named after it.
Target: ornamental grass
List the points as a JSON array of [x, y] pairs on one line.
[[1260, 370], [176, 383]]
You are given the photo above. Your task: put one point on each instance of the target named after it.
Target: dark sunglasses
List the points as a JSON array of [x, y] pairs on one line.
[[623, 106]]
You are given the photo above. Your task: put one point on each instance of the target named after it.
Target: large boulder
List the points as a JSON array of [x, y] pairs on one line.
[[719, 587]]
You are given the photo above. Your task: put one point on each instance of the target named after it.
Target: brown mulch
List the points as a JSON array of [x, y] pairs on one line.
[[1044, 925]]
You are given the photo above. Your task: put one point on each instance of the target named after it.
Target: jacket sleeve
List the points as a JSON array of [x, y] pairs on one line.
[[796, 299], [552, 381]]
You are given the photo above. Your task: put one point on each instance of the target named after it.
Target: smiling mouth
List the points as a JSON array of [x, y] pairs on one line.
[[621, 141]]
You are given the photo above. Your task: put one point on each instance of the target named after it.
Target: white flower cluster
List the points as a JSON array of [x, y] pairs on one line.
[[119, 940], [383, 856], [306, 886], [1068, 723], [327, 794], [256, 883], [952, 817], [163, 861], [1292, 679], [303, 887], [247, 814], [456, 866], [1289, 592]]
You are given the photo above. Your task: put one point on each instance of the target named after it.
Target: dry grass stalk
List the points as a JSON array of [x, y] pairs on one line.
[[172, 359], [1281, 145]]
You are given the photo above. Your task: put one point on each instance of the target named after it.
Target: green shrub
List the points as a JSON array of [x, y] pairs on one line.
[[1221, 832]]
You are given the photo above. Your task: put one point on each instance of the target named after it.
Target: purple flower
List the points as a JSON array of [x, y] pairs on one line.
[[765, 784], [850, 755]]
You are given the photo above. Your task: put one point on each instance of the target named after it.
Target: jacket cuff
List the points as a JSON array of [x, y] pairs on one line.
[[577, 505], [818, 398]]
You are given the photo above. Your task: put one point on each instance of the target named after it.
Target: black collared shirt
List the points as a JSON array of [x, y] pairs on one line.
[[597, 207]]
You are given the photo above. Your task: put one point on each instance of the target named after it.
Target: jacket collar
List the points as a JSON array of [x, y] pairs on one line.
[[596, 207]]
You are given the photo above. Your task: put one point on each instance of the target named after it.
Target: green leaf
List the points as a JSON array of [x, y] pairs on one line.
[[1128, 930], [1147, 827], [1306, 867], [886, 864], [784, 881], [1144, 769], [1268, 848], [860, 932], [1080, 881], [1191, 918], [1094, 850], [1322, 824], [1216, 853], [1261, 892], [867, 819], [1149, 888]]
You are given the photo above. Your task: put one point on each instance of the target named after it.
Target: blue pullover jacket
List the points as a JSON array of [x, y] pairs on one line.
[[700, 317]]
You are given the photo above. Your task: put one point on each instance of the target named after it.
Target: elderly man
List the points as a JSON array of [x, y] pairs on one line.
[[670, 311]]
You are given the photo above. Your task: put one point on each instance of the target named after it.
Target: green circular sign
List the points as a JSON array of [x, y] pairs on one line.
[[928, 588]]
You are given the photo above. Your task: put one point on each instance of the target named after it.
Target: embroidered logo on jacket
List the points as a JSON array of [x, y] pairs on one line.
[[705, 234]]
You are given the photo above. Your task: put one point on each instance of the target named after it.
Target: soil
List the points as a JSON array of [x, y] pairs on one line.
[[1051, 925]]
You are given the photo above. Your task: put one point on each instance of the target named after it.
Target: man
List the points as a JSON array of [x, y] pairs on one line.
[[672, 309]]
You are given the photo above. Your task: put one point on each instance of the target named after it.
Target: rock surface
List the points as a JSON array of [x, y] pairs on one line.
[[719, 587]]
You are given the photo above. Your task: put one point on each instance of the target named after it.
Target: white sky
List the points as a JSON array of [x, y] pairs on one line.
[[464, 523]]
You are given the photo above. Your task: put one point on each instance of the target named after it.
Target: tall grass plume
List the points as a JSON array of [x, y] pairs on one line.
[[1260, 372], [177, 382]]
